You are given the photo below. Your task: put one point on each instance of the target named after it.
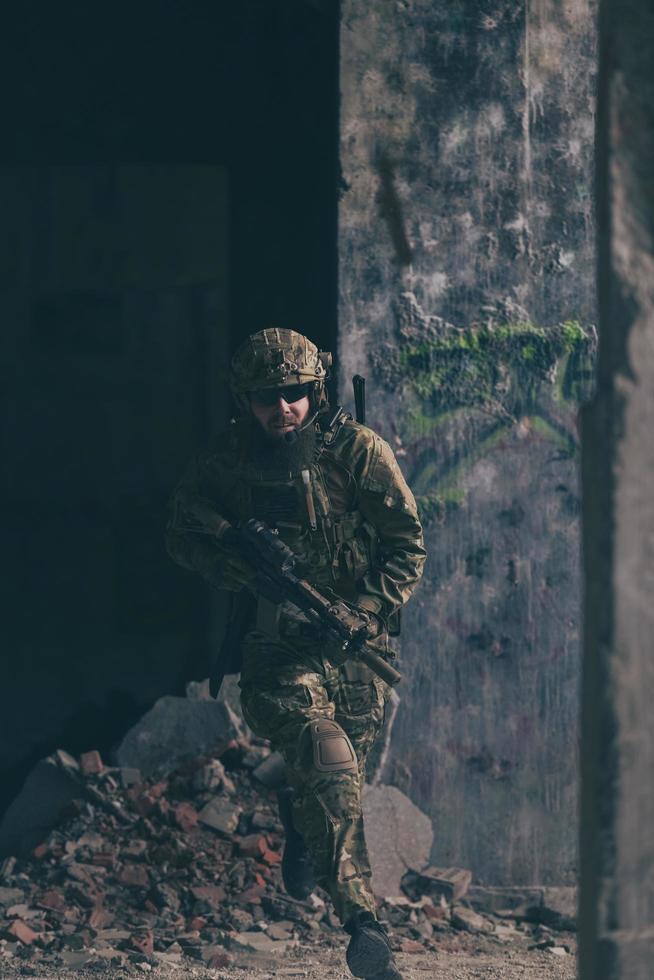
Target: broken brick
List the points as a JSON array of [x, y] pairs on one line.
[[218, 960], [90, 763], [104, 859], [143, 942], [52, 900], [164, 896], [253, 846], [142, 801], [435, 912], [411, 946], [134, 876], [135, 850], [22, 932], [158, 789], [185, 816], [271, 857], [86, 897], [214, 894], [100, 918], [166, 871], [251, 895], [79, 873]]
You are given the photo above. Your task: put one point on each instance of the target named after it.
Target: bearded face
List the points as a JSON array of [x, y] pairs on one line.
[[280, 410]]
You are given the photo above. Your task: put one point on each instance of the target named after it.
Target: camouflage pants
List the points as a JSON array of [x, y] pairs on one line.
[[285, 684]]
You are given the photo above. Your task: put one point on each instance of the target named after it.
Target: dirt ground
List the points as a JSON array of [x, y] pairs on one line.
[[473, 958]]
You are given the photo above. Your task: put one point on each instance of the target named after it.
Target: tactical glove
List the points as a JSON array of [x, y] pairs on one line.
[[369, 608], [335, 652]]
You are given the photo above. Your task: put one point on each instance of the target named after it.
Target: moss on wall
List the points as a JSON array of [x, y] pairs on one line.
[[479, 383]]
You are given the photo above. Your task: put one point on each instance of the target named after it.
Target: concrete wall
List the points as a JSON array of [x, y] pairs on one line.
[[114, 309], [466, 296], [617, 839]]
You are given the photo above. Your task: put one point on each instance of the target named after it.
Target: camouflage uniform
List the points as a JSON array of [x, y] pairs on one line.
[[368, 548]]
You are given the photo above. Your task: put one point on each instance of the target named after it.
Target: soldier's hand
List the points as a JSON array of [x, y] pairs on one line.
[[374, 625], [359, 619]]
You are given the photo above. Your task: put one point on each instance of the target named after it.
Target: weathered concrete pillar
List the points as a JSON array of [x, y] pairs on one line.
[[467, 298], [617, 830]]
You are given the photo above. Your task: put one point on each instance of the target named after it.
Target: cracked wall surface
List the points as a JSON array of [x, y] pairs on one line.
[[466, 297]]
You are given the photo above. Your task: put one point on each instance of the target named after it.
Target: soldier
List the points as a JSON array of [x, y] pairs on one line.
[[333, 491]]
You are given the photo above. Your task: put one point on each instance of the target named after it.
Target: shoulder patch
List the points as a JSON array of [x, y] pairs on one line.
[[385, 477]]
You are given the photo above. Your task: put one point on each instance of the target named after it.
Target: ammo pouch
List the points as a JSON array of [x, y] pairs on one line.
[[353, 545]]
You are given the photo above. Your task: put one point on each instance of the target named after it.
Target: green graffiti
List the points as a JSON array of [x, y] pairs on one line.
[[434, 507], [506, 364], [470, 388]]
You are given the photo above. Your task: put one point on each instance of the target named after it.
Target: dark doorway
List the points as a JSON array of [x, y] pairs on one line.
[[168, 184]]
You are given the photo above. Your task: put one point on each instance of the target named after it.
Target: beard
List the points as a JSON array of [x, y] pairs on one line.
[[277, 455]]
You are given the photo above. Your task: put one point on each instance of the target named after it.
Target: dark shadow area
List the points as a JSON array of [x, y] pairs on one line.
[[167, 185]]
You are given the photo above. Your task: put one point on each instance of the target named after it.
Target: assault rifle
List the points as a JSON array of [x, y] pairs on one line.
[[274, 564]]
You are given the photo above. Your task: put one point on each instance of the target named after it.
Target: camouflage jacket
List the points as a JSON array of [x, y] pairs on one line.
[[368, 546]]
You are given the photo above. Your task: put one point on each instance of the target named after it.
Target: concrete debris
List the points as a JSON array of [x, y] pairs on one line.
[[550, 917], [503, 901], [10, 896], [209, 776], [7, 866], [553, 907], [198, 690], [411, 946], [221, 815], [129, 776], [50, 788], [450, 884], [90, 763], [183, 868], [272, 771], [174, 730], [470, 921], [558, 909], [257, 942], [398, 834]]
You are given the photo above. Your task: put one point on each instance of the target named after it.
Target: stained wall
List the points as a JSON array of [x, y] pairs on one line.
[[466, 296]]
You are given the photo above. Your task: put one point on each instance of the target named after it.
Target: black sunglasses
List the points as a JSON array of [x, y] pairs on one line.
[[290, 394]]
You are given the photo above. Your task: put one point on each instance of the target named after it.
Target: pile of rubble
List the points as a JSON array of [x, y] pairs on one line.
[[147, 871]]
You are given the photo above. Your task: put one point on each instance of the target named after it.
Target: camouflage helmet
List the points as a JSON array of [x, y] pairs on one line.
[[277, 358]]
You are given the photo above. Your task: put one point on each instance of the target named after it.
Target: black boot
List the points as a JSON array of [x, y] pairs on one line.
[[369, 952], [297, 865]]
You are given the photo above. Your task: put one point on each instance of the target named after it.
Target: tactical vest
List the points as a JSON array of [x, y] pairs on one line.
[[336, 553], [341, 547]]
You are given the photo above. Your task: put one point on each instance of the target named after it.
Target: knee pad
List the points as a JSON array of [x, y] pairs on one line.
[[332, 749]]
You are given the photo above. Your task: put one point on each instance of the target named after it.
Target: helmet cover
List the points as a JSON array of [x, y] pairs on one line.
[[276, 358]]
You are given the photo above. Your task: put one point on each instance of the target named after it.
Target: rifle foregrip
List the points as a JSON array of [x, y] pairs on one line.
[[380, 666]]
